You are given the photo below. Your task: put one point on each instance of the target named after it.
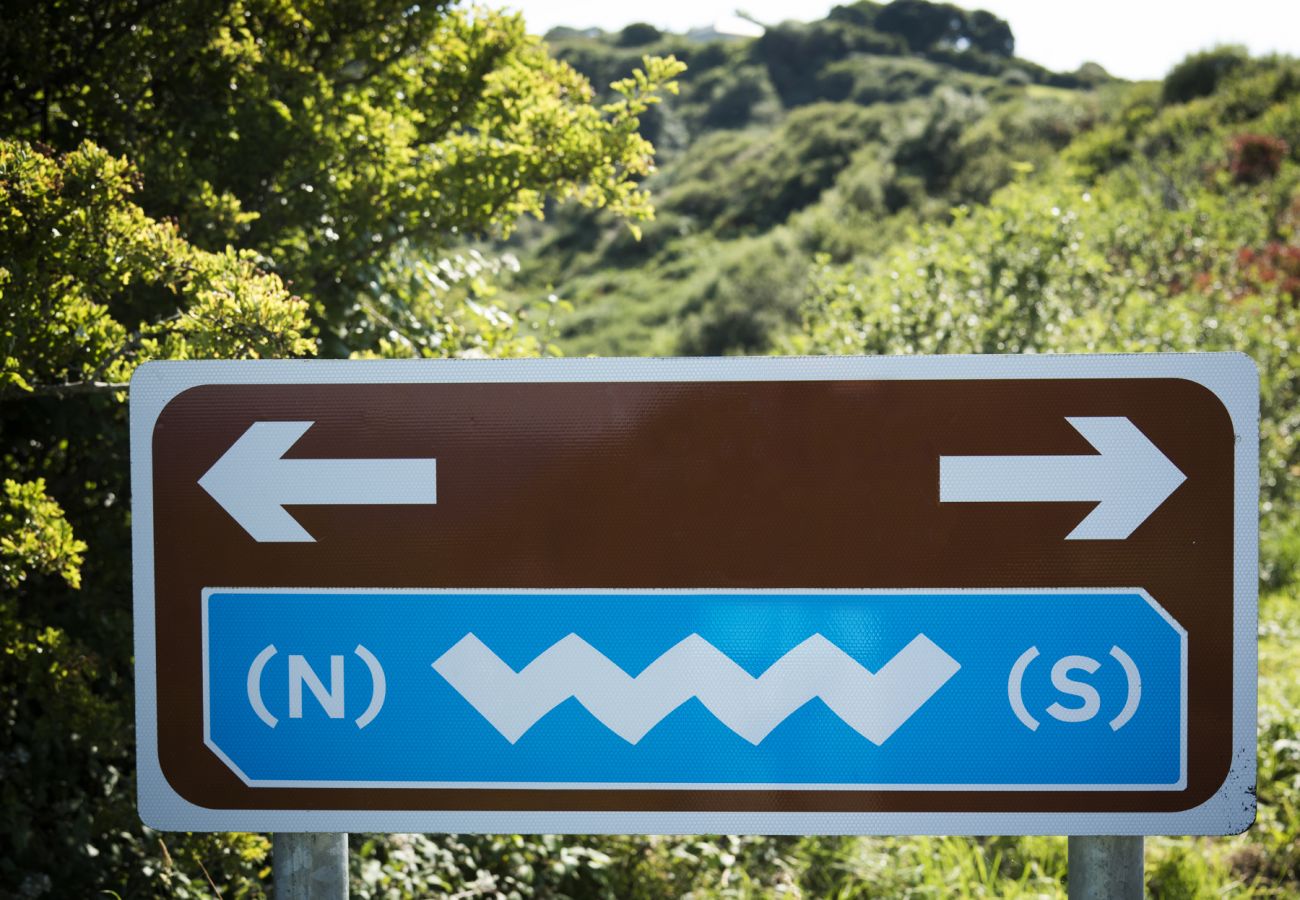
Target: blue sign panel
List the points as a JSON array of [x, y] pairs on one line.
[[953, 690]]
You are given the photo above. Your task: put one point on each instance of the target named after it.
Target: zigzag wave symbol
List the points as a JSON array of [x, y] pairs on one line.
[[872, 704]]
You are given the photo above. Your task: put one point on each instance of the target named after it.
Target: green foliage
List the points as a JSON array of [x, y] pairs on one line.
[[638, 34], [35, 537], [323, 135], [86, 276], [753, 295], [60, 757], [231, 180], [714, 866], [835, 134], [90, 286], [1139, 237], [1200, 74], [790, 169], [551, 865], [792, 52], [446, 308], [925, 25], [78, 257], [1181, 875]]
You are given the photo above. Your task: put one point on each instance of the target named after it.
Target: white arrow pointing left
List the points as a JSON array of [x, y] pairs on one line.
[[253, 482]]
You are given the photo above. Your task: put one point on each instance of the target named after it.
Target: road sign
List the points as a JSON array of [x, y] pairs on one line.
[[838, 595]]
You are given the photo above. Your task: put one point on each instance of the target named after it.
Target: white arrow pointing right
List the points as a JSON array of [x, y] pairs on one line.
[[1128, 478]]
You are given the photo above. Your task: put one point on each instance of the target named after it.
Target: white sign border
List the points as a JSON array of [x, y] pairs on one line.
[[1232, 377]]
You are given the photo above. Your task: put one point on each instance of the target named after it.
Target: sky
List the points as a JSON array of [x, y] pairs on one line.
[[1135, 39]]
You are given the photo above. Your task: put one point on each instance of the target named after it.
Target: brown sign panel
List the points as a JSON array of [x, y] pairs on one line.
[[945, 594]]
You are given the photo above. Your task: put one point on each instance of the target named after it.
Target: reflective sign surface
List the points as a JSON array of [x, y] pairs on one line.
[[961, 594]]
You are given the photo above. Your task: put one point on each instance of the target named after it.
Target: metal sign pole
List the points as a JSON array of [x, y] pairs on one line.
[[1105, 868], [310, 866]]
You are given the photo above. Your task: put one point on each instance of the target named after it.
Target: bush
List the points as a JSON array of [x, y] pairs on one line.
[[1201, 73], [1181, 875], [1254, 157], [926, 25], [638, 34], [753, 299]]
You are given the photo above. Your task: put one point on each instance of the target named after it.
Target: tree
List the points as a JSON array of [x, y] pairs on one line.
[[925, 26], [638, 34], [227, 179], [989, 33], [1201, 73], [81, 260], [322, 134]]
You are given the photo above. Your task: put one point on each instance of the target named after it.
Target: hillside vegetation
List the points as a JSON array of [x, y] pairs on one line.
[[834, 136]]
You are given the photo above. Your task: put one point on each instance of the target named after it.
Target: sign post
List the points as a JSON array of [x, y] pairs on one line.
[[831, 596], [1106, 868], [310, 866]]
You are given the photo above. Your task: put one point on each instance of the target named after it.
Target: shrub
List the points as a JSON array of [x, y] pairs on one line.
[[638, 34], [1252, 158], [1276, 266], [1201, 73]]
